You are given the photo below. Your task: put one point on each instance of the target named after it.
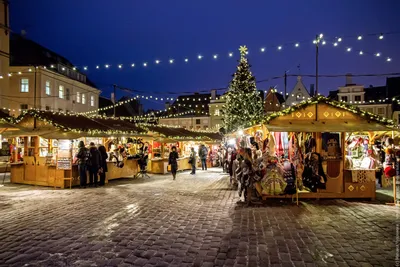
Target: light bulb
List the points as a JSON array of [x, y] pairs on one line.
[[361, 52], [52, 66], [378, 54], [199, 56], [335, 44], [230, 54], [215, 56], [120, 66], [279, 47], [297, 45], [84, 68], [107, 66], [73, 68], [314, 42], [19, 72], [348, 49], [381, 37], [339, 39], [63, 68], [145, 64], [323, 42], [97, 67], [263, 49], [171, 61], [388, 59], [321, 35]]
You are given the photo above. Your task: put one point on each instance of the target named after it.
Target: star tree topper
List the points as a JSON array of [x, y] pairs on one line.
[[243, 50]]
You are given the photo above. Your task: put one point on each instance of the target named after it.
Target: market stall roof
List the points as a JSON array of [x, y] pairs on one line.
[[74, 125], [6, 122], [179, 133], [320, 114]]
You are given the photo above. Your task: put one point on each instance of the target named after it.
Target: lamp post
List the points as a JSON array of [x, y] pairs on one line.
[[317, 40]]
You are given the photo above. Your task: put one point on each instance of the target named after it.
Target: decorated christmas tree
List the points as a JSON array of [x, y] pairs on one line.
[[243, 107]]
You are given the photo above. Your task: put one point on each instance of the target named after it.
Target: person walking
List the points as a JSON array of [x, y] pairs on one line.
[[95, 161], [192, 160], [103, 165], [82, 157], [203, 153], [173, 156]]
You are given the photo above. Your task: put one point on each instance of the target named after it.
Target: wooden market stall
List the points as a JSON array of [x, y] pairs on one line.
[[6, 125], [46, 145], [343, 137], [182, 139]]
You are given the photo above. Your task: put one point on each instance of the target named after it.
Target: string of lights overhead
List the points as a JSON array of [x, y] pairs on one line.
[[322, 40]]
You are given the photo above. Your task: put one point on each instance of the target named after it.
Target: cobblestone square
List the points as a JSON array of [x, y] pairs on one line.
[[192, 221]]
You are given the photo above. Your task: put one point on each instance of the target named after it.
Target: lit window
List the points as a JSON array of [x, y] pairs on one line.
[[24, 106], [381, 111], [357, 98], [299, 96], [48, 88], [61, 91], [344, 98], [83, 99], [78, 97], [216, 113], [24, 85], [92, 101]]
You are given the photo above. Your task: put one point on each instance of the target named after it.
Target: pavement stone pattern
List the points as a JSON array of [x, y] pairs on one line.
[[192, 221]]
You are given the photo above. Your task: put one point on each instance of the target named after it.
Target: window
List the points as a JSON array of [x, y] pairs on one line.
[[67, 93], [299, 96], [357, 98], [24, 85], [381, 111], [216, 113], [198, 121], [61, 91], [24, 106], [83, 99], [47, 108], [344, 98], [48, 88], [78, 97], [92, 100], [60, 110]]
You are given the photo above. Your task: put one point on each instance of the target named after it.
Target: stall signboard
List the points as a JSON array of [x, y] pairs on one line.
[[64, 155]]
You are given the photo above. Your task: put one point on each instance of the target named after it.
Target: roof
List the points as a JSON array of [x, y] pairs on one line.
[[185, 103], [182, 133], [25, 52], [77, 125], [129, 109], [331, 116], [80, 123]]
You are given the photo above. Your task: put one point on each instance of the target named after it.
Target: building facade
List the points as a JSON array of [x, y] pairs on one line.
[[4, 48], [298, 94], [380, 100], [192, 122], [273, 101], [44, 80]]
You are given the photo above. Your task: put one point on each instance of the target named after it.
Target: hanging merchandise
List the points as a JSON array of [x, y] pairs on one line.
[[273, 182], [289, 177]]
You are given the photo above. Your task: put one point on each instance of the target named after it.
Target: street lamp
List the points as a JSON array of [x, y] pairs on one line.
[[318, 39]]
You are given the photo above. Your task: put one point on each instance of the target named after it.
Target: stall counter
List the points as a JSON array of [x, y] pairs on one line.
[[130, 169]]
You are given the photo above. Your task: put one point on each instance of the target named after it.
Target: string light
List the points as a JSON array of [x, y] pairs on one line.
[[215, 56], [157, 61], [359, 37], [378, 54], [297, 45], [199, 56], [133, 65], [279, 47], [381, 36], [348, 49], [231, 54], [186, 60], [263, 49]]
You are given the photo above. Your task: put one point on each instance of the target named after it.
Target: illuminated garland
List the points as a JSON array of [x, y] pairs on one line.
[[321, 99]]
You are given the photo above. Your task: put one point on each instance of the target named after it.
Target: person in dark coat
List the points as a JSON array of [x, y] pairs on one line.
[[173, 156], [192, 160], [95, 161], [82, 157], [103, 165], [203, 153]]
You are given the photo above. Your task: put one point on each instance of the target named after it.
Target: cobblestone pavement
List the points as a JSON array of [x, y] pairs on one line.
[[193, 221]]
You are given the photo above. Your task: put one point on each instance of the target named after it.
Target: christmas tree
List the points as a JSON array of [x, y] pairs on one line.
[[243, 107]]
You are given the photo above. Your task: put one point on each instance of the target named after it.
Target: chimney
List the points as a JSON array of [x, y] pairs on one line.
[[349, 79], [213, 94], [312, 91], [167, 104]]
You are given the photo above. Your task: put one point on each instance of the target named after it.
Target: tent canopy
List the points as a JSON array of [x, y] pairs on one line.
[[321, 114]]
